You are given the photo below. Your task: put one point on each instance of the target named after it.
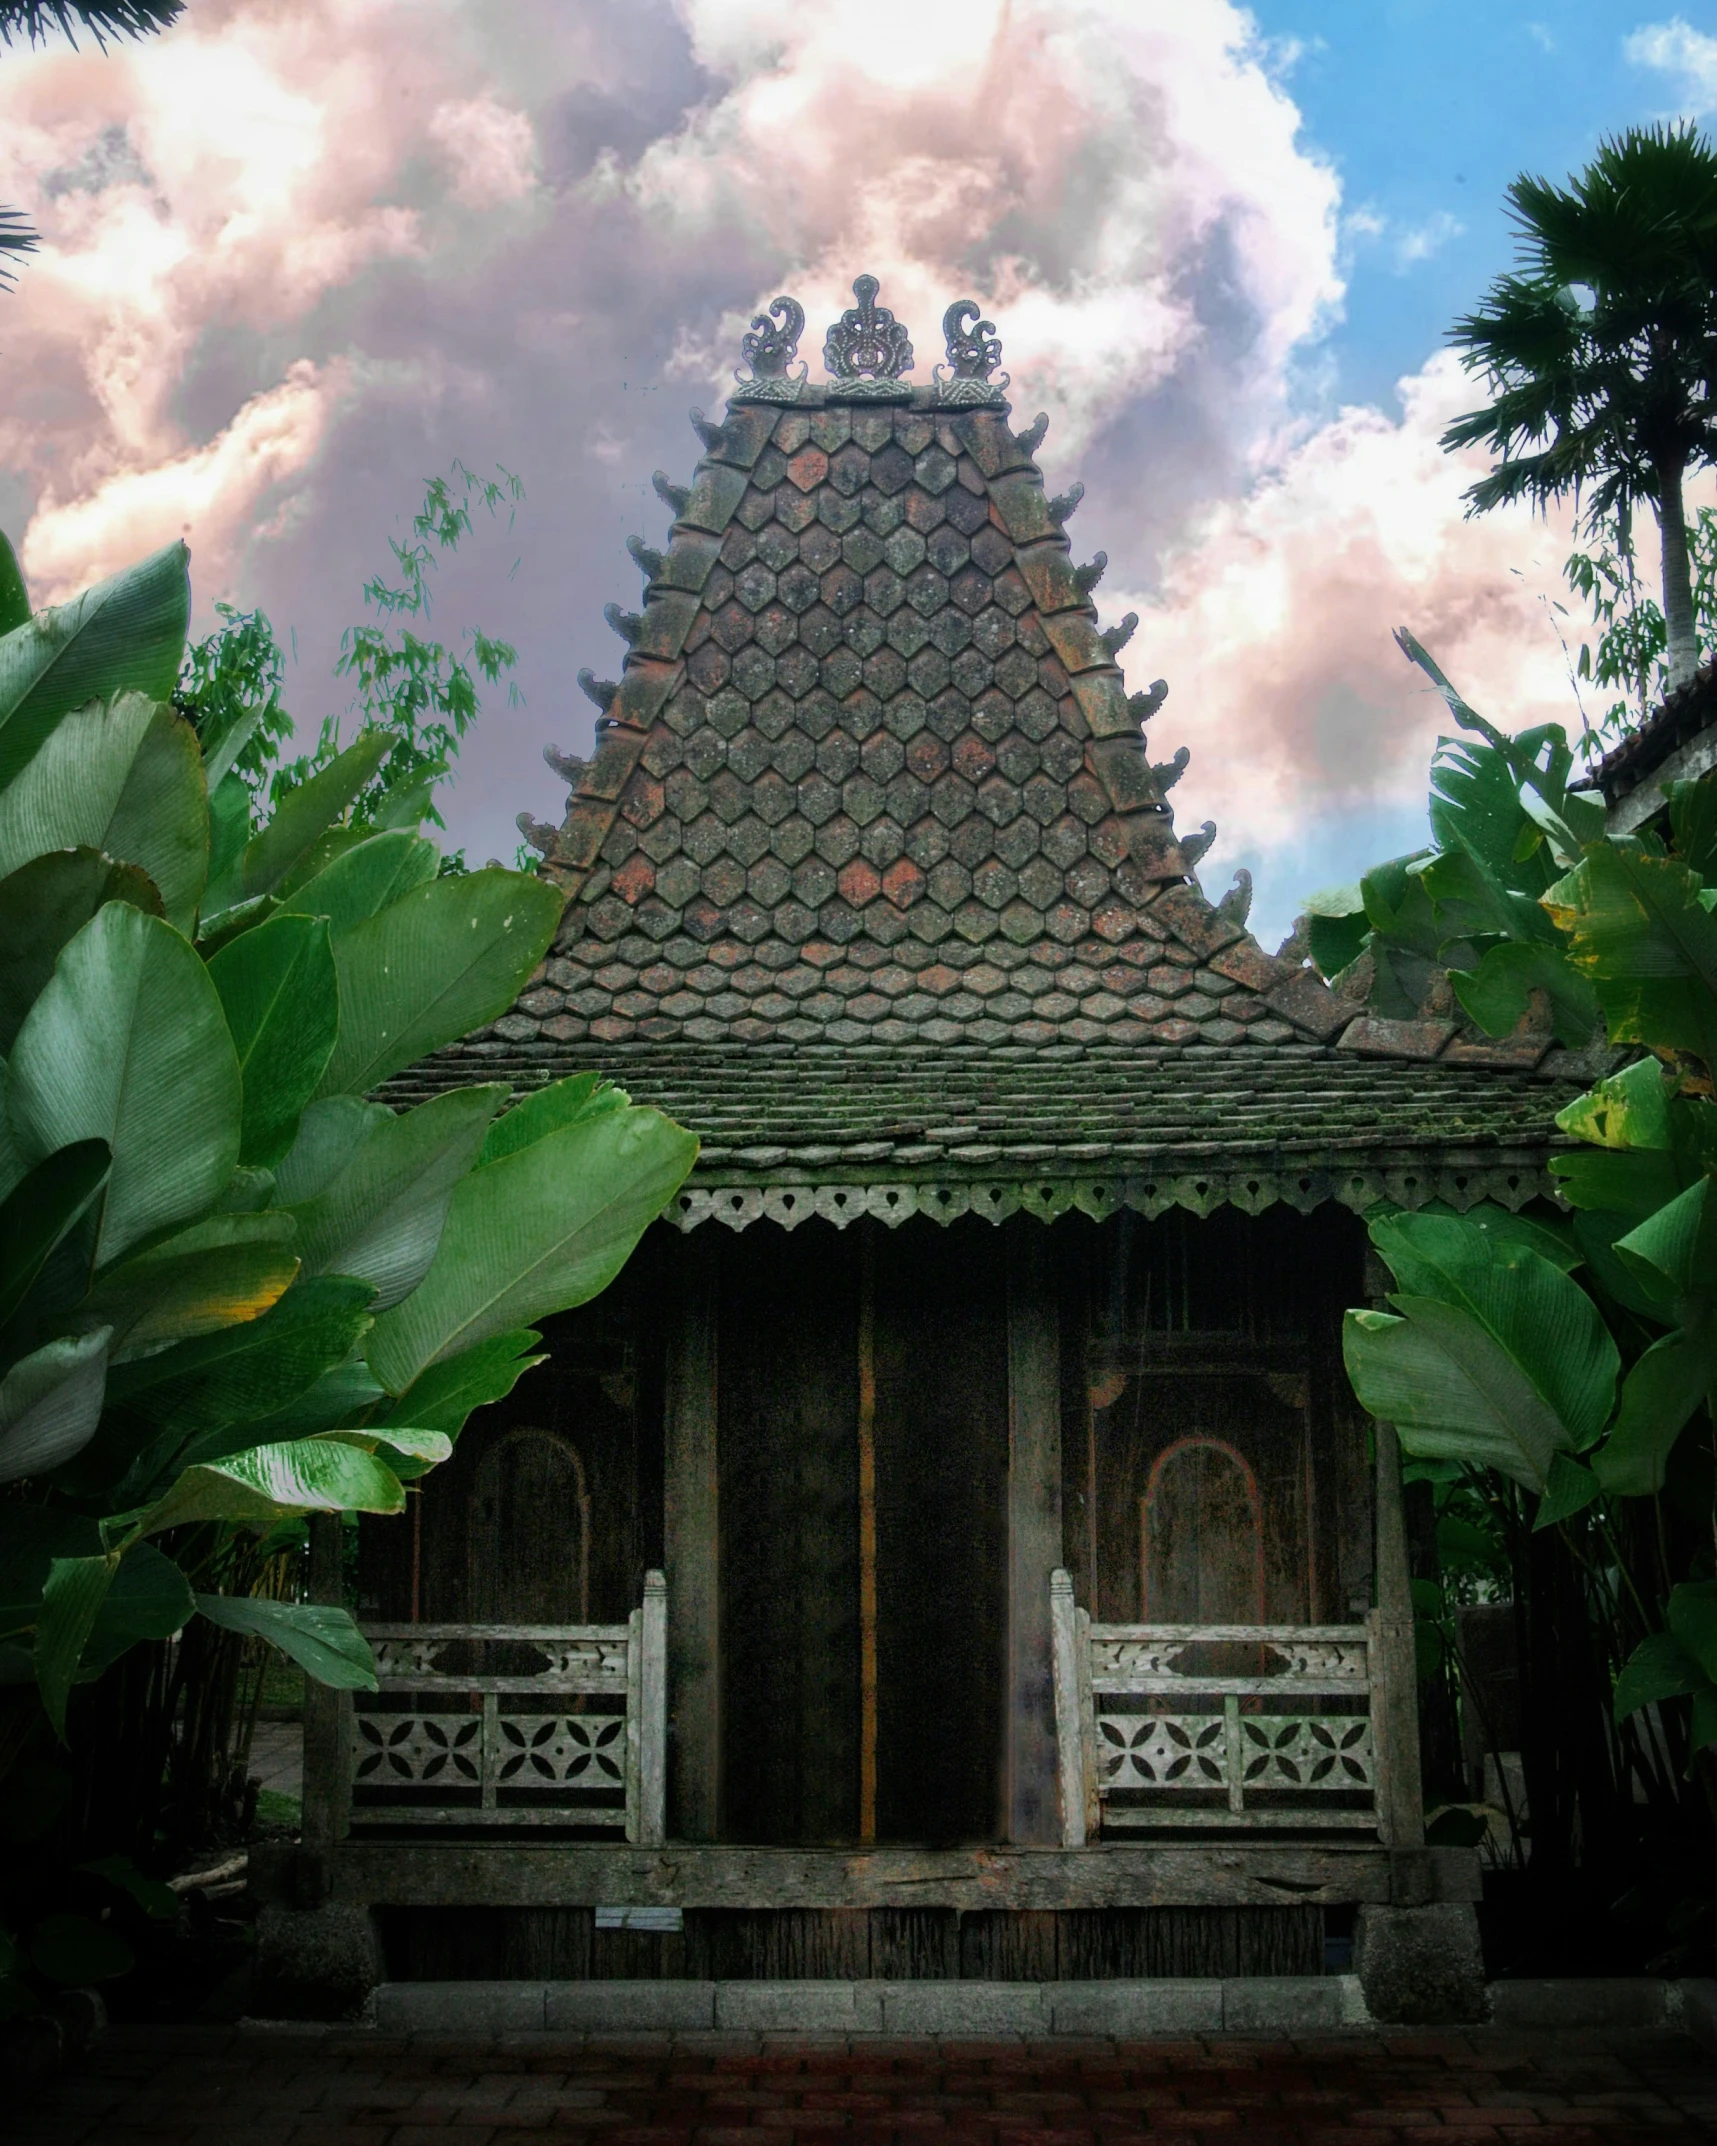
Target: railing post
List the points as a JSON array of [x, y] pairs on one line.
[[1069, 1737], [1394, 1671], [653, 1712], [634, 1721]]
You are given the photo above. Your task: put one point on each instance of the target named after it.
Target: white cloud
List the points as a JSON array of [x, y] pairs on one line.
[[1418, 242], [1675, 48]]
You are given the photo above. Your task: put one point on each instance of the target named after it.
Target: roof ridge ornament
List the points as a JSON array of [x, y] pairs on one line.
[[974, 352], [769, 348], [867, 349]]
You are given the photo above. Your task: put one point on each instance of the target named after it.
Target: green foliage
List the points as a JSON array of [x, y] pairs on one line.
[[1597, 351], [1565, 1358], [1628, 657], [232, 1291], [35, 19]]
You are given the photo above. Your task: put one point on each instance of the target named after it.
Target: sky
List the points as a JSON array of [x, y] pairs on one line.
[[301, 255]]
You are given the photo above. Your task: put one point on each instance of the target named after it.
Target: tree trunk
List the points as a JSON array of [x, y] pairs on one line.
[[1677, 580]]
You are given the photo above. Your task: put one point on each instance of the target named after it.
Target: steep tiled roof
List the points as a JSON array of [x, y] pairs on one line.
[[871, 835], [1659, 747]]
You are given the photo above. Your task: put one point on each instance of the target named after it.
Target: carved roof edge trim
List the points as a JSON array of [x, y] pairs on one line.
[[1511, 1183]]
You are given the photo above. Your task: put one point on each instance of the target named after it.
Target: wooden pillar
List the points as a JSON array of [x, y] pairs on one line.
[[692, 1544], [1403, 1795], [1033, 1814]]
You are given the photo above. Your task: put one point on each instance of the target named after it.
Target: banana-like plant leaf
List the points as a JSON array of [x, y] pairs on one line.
[[50, 1404], [444, 1395], [218, 1273], [562, 1102], [410, 1440], [123, 777], [304, 815], [432, 966], [1659, 1668], [1637, 928], [44, 904], [322, 1640], [71, 1602], [1522, 1370], [537, 1232], [1693, 822], [128, 1044], [347, 1394], [14, 598], [330, 1133], [1633, 1182], [1595, 1232], [281, 999], [1571, 1488], [382, 1216], [40, 1212], [217, 1385], [149, 1598], [253, 1489], [366, 879], [128, 631], [1675, 1248], [1628, 1110], [1498, 993], [1693, 1620], [1659, 1396]]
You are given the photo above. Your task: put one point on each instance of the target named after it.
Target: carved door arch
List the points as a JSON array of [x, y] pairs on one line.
[[1201, 1536], [529, 1538]]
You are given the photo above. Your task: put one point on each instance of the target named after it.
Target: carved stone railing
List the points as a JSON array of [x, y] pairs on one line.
[[1231, 1726], [513, 1725]]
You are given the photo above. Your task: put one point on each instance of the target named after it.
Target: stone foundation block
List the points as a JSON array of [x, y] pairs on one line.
[[1420, 1967], [315, 1963]]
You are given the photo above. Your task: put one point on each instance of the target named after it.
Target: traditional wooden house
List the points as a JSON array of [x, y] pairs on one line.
[[1035, 1606]]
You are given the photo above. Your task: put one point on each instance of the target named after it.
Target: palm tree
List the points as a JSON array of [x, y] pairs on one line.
[[1600, 353], [101, 18]]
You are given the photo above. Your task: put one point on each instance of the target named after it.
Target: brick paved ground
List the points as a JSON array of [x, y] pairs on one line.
[[223, 2087]]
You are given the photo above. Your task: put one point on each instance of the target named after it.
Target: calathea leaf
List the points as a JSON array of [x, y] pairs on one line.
[[128, 1044], [44, 904], [381, 1217], [149, 1598], [322, 1640], [538, 1231], [1660, 1393], [42, 1210], [71, 1602], [50, 1404], [122, 777], [547, 1110], [431, 967], [128, 631], [255, 1488], [278, 991], [220, 1272], [304, 815], [445, 1394], [366, 879]]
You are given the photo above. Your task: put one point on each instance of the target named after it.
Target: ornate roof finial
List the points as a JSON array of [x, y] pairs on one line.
[[769, 349], [867, 339], [974, 349]]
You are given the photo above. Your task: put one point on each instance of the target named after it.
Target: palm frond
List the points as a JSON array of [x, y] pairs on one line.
[[16, 236], [32, 20]]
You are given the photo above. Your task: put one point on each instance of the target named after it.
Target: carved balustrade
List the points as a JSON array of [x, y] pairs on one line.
[[490, 1725], [1237, 1727]]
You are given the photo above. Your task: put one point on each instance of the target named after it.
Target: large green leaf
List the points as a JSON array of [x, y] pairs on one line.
[[220, 1272], [128, 631], [322, 1640], [1519, 1369], [1659, 1394], [1675, 1249], [346, 1394], [1693, 1620], [253, 1489], [366, 879], [123, 777], [443, 1396], [44, 904], [1498, 993], [303, 816], [128, 1044], [281, 999], [1630, 1109], [1637, 927], [540, 1230], [50, 1404], [1693, 820], [330, 1133], [204, 1388], [41, 1211], [150, 1598], [14, 598], [381, 1217], [71, 1602], [561, 1103], [431, 967]]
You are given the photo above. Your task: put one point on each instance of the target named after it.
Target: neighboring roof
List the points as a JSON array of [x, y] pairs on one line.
[[1676, 742], [871, 824]]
